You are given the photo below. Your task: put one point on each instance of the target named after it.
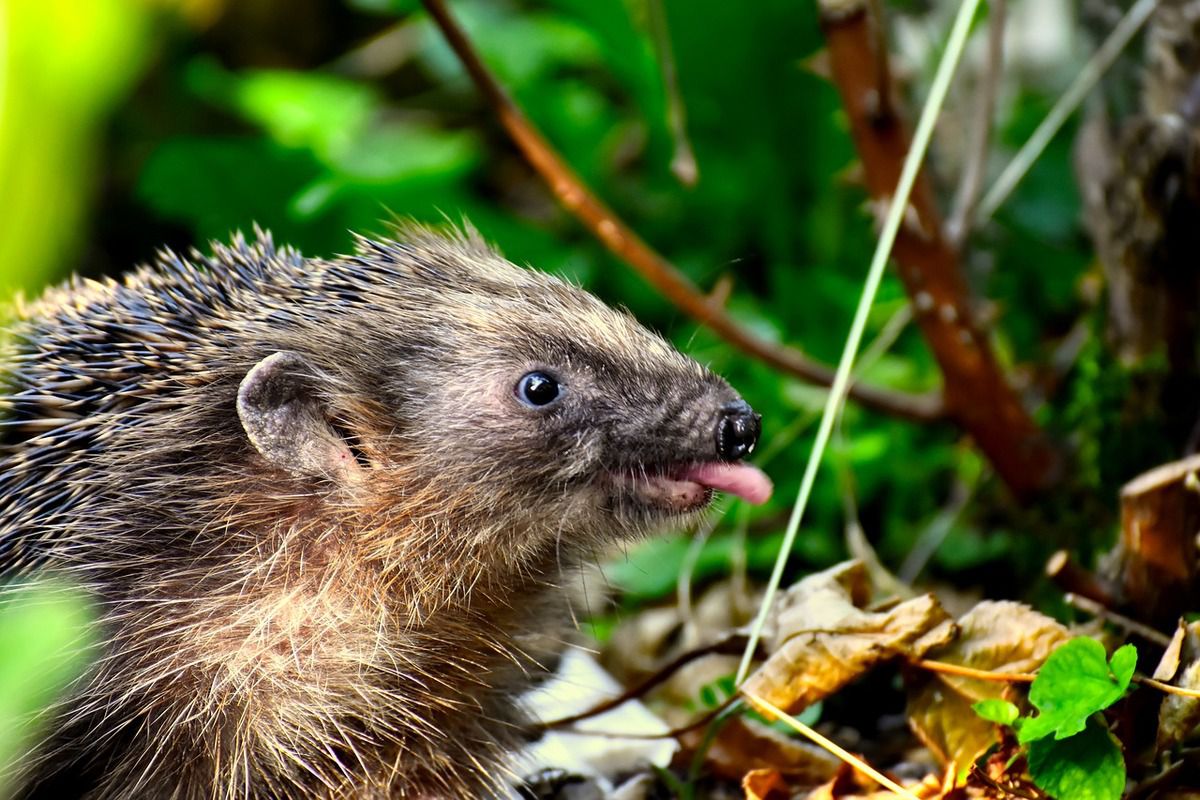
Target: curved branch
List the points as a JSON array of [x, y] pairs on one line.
[[977, 393], [621, 240]]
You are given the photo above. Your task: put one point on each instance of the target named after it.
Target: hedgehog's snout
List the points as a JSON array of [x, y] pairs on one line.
[[737, 430]]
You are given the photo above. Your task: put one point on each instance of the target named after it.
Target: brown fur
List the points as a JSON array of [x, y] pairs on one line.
[[274, 635]]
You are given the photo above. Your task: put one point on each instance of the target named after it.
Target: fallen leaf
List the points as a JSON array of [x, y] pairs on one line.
[[1178, 716], [996, 636], [846, 786], [765, 784], [821, 639], [744, 745], [1168, 665]]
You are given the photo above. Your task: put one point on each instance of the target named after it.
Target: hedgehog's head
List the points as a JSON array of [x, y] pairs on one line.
[[529, 398]]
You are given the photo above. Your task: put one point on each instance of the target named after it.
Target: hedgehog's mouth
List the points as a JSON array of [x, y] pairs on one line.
[[682, 488]]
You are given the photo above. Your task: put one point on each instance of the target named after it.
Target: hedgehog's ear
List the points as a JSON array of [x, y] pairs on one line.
[[286, 422]]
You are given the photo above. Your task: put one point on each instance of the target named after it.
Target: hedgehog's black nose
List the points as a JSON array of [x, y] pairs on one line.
[[737, 430]]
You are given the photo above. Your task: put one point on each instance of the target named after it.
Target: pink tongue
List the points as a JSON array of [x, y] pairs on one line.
[[743, 480]]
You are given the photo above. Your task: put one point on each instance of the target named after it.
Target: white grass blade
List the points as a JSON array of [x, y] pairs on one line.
[[1087, 78]]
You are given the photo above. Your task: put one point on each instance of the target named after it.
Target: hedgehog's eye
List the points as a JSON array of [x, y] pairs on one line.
[[538, 389]]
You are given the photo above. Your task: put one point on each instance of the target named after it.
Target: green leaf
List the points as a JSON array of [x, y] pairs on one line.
[[1086, 766], [1122, 664], [1075, 682], [219, 185], [324, 113], [405, 152], [386, 7], [998, 711]]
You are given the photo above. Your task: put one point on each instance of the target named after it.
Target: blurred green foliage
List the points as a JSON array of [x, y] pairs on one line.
[[63, 67], [44, 641], [130, 124]]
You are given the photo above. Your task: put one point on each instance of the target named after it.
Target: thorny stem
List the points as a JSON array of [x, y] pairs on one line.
[[883, 70], [621, 240], [887, 237], [977, 392]]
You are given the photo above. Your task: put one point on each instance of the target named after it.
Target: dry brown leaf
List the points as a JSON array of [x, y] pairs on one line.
[[840, 788], [1168, 665], [744, 745], [996, 636], [765, 784], [821, 638], [1179, 716]]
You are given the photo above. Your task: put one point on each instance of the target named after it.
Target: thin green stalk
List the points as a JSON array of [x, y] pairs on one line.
[[887, 237]]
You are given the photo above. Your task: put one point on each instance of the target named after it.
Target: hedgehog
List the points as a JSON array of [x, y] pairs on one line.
[[327, 509]]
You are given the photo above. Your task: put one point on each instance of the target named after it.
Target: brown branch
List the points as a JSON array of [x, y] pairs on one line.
[[976, 392], [1090, 606], [1076, 581], [700, 722], [619, 238]]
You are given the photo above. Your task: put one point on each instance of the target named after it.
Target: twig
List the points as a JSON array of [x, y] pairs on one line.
[[674, 733], [1029, 677], [977, 393], [676, 287], [1090, 606], [975, 163], [1099, 63], [1166, 779], [1165, 687], [968, 672], [1078, 582], [730, 645]]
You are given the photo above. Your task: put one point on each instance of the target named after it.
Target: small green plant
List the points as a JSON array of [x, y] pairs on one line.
[[1071, 753]]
